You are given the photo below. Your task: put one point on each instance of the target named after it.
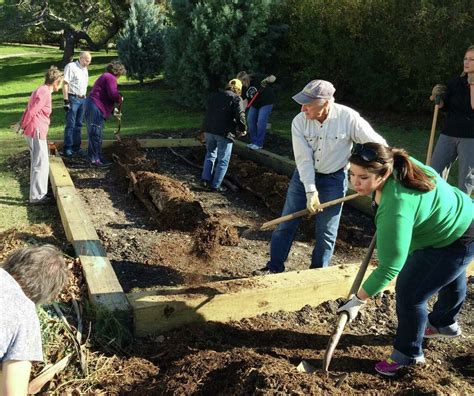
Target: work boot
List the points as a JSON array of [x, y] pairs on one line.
[[219, 189]]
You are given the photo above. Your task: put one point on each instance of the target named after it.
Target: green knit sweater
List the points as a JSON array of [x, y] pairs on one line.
[[409, 220]]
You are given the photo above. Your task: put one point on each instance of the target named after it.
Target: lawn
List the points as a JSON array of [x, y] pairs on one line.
[[146, 108]]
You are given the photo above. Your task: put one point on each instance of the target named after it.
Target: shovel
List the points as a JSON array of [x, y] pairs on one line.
[[304, 212], [343, 316]]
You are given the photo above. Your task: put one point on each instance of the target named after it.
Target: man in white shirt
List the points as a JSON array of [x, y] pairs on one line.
[[322, 136], [76, 78]]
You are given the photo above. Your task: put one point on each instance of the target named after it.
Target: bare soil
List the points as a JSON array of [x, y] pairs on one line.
[[148, 249]]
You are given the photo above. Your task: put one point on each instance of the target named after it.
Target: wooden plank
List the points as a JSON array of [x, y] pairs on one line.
[[103, 285], [146, 143], [58, 174], [165, 309]]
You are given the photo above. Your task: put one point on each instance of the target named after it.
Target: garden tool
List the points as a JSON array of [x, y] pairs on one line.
[[433, 130], [305, 212], [118, 115], [343, 316]]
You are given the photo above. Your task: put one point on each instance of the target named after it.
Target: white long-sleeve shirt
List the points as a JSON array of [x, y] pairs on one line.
[[326, 147]]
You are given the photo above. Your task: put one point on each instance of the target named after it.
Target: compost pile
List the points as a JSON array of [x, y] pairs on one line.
[[257, 355]]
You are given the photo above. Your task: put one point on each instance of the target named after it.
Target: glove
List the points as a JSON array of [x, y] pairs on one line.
[[438, 90], [470, 79], [117, 114], [312, 202], [240, 133], [268, 80], [352, 307], [67, 105], [16, 127]]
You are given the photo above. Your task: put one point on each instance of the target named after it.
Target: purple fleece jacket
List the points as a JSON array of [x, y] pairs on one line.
[[105, 93]]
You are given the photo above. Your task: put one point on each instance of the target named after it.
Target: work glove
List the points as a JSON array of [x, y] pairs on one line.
[[312, 202], [352, 307], [117, 114], [470, 79], [268, 80], [16, 127], [438, 90], [66, 105]]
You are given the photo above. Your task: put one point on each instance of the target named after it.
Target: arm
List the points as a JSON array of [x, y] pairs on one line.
[[112, 90], [362, 132], [239, 114], [303, 155], [15, 377], [37, 101]]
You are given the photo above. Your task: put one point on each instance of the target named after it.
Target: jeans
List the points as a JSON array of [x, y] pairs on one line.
[[330, 187], [447, 150], [257, 120], [95, 129], [425, 273], [72, 130], [216, 162]]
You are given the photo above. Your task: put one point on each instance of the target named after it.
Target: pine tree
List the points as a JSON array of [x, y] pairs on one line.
[[210, 41], [140, 45]]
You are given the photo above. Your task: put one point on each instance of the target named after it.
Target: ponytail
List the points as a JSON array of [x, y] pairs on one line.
[[409, 174]]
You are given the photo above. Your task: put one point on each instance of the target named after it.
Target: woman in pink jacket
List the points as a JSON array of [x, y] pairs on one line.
[[35, 124]]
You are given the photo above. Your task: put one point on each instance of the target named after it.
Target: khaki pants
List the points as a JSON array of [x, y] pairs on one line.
[[39, 168]]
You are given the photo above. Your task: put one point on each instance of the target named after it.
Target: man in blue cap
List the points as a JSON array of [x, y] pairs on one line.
[[322, 135]]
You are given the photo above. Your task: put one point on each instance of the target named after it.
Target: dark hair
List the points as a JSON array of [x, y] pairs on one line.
[[116, 68], [52, 75], [391, 158], [39, 270]]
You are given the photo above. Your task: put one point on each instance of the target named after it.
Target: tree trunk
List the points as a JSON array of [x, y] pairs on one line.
[[69, 42]]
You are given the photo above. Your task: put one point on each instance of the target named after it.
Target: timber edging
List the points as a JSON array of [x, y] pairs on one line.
[[105, 291]]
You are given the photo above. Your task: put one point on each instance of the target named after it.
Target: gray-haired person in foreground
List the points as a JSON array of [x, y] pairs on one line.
[[28, 276]]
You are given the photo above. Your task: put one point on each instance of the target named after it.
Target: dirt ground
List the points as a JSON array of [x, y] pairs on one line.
[[252, 356]]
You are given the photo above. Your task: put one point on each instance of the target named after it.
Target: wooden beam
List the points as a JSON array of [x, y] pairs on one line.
[[103, 285], [161, 310], [146, 143]]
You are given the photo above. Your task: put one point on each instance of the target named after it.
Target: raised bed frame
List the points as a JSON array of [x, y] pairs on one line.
[[167, 308]]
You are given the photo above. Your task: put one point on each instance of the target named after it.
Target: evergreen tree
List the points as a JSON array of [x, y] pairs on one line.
[[140, 46], [210, 41]]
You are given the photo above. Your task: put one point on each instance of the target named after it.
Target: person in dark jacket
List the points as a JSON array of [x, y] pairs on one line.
[[260, 96], [224, 120], [456, 140]]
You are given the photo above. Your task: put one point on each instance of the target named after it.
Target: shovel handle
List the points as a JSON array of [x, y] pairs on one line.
[[305, 212], [343, 316], [432, 134]]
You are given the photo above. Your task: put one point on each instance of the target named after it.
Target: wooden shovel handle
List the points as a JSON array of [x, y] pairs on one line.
[[432, 134], [305, 212], [343, 316]]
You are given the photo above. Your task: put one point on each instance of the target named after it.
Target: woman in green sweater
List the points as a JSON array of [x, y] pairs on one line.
[[425, 235]]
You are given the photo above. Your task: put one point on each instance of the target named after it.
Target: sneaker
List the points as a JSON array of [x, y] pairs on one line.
[[219, 189], [442, 332], [67, 153], [43, 201], [254, 147], [388, 367], [264, 271], [100, 164]]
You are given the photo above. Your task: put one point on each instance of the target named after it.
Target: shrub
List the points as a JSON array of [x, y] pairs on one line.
[[140, 46], [209, 42]]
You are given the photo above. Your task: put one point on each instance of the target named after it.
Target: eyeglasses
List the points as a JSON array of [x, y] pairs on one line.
[[367, 154]]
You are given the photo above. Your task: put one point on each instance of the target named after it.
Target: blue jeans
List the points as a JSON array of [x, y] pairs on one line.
[[257, 120], [216, 162], [425, 273], [72, 130], [330, 187], [95, 129]]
